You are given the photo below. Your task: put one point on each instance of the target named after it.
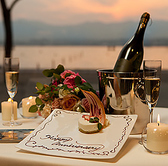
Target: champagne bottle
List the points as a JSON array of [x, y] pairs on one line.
[[131, 55]]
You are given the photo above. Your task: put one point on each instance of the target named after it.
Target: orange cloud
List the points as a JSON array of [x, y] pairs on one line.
[[77, 11]]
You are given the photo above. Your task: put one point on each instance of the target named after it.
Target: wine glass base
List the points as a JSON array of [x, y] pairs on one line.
[[11, 124]]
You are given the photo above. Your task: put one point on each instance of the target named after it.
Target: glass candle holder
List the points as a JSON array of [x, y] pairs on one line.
[[24, 106], [154, 138]]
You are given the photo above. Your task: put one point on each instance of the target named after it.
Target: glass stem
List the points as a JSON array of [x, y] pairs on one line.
[[150, 106], [12, 113], [151, 115]]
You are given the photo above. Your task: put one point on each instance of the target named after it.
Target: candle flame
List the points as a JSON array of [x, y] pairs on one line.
[[158, 119], [30, 97], [9, 100]]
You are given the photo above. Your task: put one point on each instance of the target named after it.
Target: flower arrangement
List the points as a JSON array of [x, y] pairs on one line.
[[64, 91]]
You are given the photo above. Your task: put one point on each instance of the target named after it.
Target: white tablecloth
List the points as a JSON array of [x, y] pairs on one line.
[[132, 153]]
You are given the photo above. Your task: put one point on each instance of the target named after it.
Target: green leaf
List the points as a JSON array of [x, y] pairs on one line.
[[87, 85], [99, 126], [56, 92], [78, 80], [48, 73], [39, 86], [57, 76], [41, 107], [46, 99], [53, 86], [67, 74], [96, 119], [33, 108], [83, 87], [38, 101], [52, 71], [42, 92], [59, 69], [81, 109], [50, 94], [91, 120], [38, 92], [47, 89]]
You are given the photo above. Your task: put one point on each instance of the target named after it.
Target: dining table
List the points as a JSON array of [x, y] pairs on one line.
[[132, 152]]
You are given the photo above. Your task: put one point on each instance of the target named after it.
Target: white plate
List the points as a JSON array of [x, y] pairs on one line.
[[59, 135]]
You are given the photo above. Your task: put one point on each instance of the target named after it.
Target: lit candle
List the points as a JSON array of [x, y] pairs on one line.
[[26, 104], [157, 136], [6, 110]]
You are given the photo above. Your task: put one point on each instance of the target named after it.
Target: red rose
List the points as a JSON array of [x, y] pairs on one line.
[[55, 82]]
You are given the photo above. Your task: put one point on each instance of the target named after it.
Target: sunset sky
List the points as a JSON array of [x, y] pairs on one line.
[[65, 12]]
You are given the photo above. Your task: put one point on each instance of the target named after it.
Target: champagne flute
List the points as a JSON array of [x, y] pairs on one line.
[[152, 77], [11, 68]]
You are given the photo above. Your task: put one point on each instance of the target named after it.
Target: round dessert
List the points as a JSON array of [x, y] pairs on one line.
[[89, 124], [97, 119]]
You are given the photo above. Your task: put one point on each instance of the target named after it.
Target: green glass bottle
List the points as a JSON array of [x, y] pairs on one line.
[[131, 55]]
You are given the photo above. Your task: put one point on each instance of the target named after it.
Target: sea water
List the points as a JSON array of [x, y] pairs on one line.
[[77, 57]]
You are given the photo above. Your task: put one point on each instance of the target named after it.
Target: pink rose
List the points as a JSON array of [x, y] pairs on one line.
[[70, 80], [65, 72]]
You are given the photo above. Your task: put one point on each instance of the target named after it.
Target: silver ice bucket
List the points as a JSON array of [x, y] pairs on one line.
[[122, 93]]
